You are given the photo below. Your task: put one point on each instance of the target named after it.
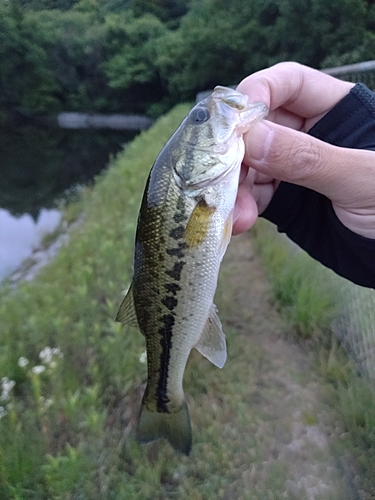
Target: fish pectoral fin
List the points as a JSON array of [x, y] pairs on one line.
[[126, 313], [197, 227], [212, 343], [226, 236]]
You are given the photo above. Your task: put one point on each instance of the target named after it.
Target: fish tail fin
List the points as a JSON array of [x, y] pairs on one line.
[[175, 427]]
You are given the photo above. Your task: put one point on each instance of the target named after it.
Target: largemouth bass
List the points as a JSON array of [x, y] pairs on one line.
[[184, 227]]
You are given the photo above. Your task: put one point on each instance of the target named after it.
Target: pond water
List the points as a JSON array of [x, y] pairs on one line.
[[37, 166]]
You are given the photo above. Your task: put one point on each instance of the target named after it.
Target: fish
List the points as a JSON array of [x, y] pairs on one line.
[[183, 230]]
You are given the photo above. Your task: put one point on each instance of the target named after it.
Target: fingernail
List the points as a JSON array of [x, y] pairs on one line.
[[258, 141]]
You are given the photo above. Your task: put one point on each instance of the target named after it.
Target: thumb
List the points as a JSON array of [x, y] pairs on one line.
[[343, 175]]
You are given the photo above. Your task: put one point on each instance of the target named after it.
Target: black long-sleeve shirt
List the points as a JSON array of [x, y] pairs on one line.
[[308, 218]]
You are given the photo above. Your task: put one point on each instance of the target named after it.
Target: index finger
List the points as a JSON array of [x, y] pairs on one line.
[[297, 88]]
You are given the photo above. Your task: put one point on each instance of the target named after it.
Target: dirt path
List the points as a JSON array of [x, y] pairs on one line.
[[291, 455]]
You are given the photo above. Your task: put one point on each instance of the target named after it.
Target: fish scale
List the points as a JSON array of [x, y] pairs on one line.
[[171, 310], [184, 227]]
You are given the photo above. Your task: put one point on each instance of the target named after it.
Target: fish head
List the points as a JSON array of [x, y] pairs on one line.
[[210, 140]]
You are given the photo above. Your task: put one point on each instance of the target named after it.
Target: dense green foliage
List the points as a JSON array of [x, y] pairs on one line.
[[143, 55]]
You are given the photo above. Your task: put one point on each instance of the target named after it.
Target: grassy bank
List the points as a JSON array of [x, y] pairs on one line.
[[310, 297]]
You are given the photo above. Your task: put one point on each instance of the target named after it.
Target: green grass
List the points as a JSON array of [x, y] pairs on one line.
[[308, 296], [300, 286]]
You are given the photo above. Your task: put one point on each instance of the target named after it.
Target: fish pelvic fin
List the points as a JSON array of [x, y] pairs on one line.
[[126, 313], [212, 343], [175, 427]]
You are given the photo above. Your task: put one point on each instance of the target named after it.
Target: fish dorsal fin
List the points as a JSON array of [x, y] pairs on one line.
[[212, 343], [126, 313]]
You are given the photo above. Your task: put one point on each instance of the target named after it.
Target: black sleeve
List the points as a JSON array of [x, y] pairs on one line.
[[308, 218]]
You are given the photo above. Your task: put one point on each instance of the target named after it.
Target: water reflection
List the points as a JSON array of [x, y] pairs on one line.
[[21, 236], [37, 165]]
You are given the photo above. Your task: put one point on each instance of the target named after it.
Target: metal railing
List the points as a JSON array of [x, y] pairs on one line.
[[354, 324], [361, 72]]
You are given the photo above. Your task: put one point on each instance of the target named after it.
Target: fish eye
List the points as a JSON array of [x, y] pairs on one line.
[[199, 115]]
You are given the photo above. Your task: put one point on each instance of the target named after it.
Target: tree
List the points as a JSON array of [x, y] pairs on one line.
[[27, 82], [308, 31], [217, 43], [131, 48], [165, 10], [220, 42], [48, 4]]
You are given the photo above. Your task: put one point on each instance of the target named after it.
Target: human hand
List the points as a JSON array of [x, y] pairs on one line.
[[279, 149]]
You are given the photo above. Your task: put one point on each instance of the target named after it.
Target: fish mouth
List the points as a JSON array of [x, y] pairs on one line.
[[249, 113], [231, 97]]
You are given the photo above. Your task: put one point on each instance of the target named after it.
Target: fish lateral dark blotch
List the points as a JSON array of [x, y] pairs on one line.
[[166, 334], [179, 251], [179, 217], [180, 205], [170, 302], [177, 233], [168, 323], [175, 252], [172, 288], [175, 272]]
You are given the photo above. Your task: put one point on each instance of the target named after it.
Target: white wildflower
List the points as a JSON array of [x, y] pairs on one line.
[[23, 362], [143, 357], [6, 386], [37, 370], [46, 403], [49, 355], [45, 355], [3, 412], [58, 353]]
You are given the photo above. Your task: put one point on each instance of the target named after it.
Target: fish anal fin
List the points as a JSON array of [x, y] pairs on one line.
[[126, 313], [212, 343], [175, 427], [198, 224]]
